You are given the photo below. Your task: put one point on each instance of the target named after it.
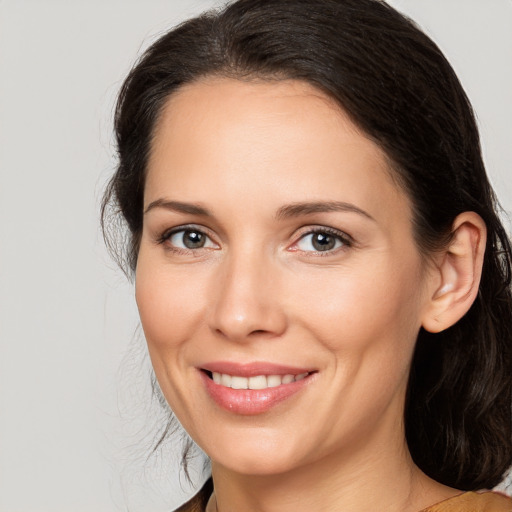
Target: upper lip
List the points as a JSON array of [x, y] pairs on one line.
[[253, 369]]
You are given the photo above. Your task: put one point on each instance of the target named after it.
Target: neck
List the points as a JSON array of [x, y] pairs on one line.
[[374, 477]]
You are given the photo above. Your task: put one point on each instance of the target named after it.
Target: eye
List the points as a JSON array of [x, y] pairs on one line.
[[188, 239], [321, 241]]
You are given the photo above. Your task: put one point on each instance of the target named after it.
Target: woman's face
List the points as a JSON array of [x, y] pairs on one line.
[[277, 254]]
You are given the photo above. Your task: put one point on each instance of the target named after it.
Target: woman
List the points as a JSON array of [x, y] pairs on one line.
[[321, 275]]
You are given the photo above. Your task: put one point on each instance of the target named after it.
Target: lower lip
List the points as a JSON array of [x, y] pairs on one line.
[[251, 401]]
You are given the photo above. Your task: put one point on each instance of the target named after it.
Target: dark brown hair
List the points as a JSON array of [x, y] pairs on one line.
[[399, 89]]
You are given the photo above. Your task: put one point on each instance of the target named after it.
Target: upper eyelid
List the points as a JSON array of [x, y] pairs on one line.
[[299, 233], [167, 233], [186, 227], [346, 239], [307, 230]]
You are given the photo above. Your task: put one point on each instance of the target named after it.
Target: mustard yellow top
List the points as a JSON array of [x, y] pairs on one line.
[[465, 502], [474, 502]]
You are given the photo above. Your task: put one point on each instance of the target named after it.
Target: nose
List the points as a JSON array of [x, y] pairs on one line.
[[247, 299]]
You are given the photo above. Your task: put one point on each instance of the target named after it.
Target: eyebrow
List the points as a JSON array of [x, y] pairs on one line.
[[298, 209], [177, 206], [285, 212]]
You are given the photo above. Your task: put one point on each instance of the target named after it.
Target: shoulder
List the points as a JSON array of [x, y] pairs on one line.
[[199, 501], [474, 502]]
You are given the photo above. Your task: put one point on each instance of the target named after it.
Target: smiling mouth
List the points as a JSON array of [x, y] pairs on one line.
[[253, 388], [256, 382]]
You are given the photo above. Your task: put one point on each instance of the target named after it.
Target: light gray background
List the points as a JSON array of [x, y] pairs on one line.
[[67, 316]]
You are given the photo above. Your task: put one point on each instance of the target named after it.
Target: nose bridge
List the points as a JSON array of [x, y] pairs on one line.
[[247, 299]]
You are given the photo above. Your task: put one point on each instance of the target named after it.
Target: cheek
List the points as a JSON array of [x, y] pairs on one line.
[[367, 322], [169, 304], [373, 306], [170, 311]]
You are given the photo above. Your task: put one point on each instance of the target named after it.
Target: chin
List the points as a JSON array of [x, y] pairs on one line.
[[258, 465], [256, 453]]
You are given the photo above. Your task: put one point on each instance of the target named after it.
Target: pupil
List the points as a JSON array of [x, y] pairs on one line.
[[193, 239], [323, 242]]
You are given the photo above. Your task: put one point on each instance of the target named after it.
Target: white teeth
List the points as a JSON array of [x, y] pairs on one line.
[[225, 380], [287, 379], [239, 382], [257, 382], [274, 380]]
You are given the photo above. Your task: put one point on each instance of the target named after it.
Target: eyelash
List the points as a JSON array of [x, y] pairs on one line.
[[167, 235], [346, 240]]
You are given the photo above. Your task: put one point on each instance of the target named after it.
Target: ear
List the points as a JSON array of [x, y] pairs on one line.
[[455, 280]]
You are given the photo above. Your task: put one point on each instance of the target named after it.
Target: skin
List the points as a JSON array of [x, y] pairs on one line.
[[259, 291]]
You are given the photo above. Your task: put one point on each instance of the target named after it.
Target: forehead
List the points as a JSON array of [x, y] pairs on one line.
[[251, 111], [277, 139]]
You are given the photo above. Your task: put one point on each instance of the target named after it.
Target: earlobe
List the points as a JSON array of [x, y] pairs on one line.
[[456, 279]]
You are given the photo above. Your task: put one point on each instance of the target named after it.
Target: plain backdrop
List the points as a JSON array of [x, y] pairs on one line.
[[75, 427]]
